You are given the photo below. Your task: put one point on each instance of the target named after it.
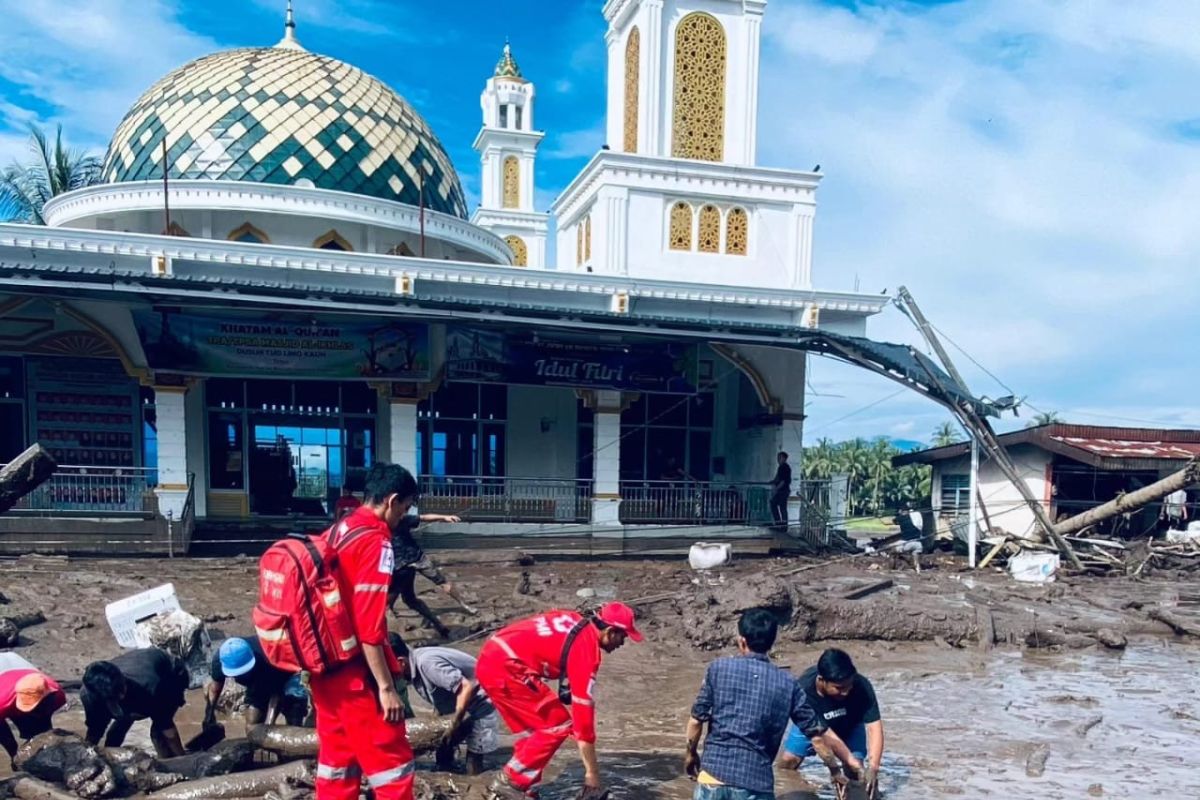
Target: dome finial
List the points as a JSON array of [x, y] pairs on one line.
[[507, 66], [289, 39]]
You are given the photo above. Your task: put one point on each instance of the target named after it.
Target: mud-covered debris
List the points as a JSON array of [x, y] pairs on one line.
[[62, 757], [1082, 729], [1113, 640], [524, 560], [1035, 764], [183, 635]]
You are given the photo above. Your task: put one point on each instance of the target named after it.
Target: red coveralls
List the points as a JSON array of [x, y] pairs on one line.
[[512, 668], [355, 739]]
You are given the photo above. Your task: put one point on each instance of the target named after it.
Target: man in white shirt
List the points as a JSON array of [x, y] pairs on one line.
[[1175, 509]]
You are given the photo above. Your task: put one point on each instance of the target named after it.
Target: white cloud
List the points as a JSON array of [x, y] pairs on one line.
[[83, 62], [583, 143], [1014, 162]]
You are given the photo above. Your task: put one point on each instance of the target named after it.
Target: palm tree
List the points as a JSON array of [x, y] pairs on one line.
[[24, 190], [946, 434], [1044, 418]]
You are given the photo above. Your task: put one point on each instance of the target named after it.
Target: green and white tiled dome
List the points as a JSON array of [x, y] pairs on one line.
[[283, 115]]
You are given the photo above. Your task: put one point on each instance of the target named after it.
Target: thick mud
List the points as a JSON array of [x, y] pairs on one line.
[[968, 707]]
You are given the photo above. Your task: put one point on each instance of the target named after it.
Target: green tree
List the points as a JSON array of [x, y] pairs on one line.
[[946, 434], [1045, 418], [54, 170]]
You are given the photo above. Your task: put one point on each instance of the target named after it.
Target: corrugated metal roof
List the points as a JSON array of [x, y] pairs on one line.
[[1123, 448]]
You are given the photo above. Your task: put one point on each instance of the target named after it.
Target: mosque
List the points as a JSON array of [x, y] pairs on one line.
[[279, 282]]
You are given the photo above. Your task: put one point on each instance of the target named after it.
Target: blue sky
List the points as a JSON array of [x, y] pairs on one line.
[[1030, 169]]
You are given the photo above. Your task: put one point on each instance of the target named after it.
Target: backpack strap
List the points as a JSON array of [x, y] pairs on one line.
[[564, 683], [338, 543]]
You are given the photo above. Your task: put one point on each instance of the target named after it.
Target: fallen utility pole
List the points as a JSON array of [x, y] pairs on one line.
[[1124, 503], [981, 429], [23, 474]]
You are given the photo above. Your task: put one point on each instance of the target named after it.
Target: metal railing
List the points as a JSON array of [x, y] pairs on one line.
[[502, 499], [695, 503], [93, 490]]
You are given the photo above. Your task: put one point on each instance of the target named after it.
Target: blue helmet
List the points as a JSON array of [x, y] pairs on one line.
[[236, 657]]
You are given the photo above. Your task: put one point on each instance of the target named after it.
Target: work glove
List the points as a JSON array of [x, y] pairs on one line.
[[870, 781]]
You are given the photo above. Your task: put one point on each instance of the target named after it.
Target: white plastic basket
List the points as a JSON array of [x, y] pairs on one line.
[[124, 615], [10, 661]]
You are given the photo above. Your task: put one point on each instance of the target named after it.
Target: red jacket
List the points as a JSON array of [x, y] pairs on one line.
[[365, 570], [538, 642]]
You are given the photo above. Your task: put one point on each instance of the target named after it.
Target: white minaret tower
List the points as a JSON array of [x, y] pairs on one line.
[[507, 146]]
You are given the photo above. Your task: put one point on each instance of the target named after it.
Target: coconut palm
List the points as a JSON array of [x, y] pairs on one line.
[[946, 434], [54, 170], [1044, 418]]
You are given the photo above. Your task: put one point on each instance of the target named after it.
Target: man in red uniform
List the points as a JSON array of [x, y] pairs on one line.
[[512, 668], [360, 717]]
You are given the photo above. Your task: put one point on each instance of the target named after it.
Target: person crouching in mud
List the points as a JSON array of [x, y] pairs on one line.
[[411, 559], [845, 701]]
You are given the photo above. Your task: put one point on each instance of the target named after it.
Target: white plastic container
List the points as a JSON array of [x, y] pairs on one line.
[[124, 615], [1030, 566], [10, 661], [707, 555]]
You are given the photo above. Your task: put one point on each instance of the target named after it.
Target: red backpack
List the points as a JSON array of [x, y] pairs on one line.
[[303, 622]]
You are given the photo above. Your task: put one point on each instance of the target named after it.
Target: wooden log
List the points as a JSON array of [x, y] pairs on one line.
[[26, 788], [869, 589], [255, 783], [1132, 501], [992, 554], [1181, 626], [23, 474], [288, 741]]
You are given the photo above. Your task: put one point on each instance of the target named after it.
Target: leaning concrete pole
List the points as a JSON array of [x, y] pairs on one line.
[[25, 473], [1124, 503], [980, 429]]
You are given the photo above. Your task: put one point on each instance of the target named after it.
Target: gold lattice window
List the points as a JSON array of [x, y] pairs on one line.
[[579, 244], [633, 50], [710, 230], [699, 118], [737, 232], [587, 238], [681, 227], [512, 183], [520, 251]]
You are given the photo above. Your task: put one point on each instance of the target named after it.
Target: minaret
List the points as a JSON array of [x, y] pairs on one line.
[[507, 145]]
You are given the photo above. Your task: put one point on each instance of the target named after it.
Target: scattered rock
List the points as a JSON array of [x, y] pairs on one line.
[[1035, 764], [1082, 729], [586, 593], [525, 560], [1096, 790], [523, 584], [1113, 640]]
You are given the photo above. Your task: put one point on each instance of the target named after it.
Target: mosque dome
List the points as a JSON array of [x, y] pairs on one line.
[[283, 115]]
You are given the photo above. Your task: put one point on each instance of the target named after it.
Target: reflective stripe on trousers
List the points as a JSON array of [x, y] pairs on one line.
[[390, 776], [328, 773]]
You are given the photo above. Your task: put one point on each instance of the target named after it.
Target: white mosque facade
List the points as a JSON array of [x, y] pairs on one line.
[[278, 284]]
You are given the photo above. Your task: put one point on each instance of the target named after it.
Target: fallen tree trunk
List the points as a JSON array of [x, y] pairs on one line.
[[289, 741], [27, 788], [1133, 501], [255, 783], [23, 474], [1181, 626]]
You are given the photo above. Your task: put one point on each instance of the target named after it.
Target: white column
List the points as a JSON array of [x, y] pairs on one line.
[[615, 119], [801, 265], [402, 428], [653, 113], [973, 523], [606, 460], [749, 120], [170, 406]]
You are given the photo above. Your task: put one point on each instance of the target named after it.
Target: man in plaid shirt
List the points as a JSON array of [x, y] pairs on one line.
[[747, 703]]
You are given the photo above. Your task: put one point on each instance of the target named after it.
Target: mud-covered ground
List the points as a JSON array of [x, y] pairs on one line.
[[967, 701]]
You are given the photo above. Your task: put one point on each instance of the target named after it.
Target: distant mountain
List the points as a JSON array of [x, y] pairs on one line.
[[907, 445]]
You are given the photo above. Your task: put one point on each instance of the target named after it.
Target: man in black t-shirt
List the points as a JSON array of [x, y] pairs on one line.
[[844, 701], [781, 489], [411, 559], [137, 684], [267, 687]]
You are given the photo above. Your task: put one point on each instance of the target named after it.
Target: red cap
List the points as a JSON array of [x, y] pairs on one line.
[[620, 616]]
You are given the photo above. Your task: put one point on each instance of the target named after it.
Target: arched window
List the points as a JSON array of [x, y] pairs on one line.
[[737, 232], [248, 233], [512, 183], [681, 227], [520, 251], [587, 238], [633, 51], [699, 118], [332, 241], [401, 249], [710, 230]]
